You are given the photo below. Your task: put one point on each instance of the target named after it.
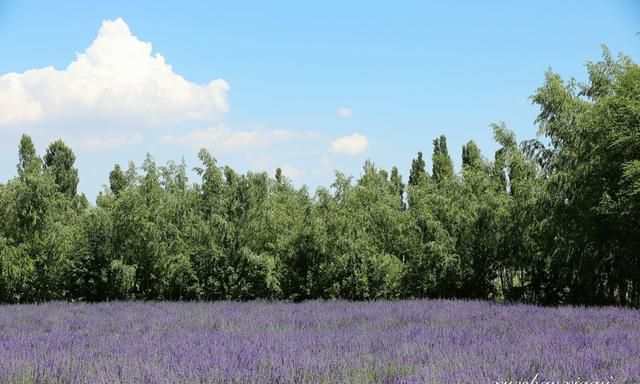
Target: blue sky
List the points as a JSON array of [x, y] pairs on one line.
[[307, 87]]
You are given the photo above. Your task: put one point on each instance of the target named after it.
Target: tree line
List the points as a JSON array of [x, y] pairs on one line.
[[551, 220]]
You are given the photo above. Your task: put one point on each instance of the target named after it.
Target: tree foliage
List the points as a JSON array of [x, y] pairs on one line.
[[554, 219]]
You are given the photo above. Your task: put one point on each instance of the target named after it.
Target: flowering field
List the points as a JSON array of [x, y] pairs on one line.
[[418, 341]]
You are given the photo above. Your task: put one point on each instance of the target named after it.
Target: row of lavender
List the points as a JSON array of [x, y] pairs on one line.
[[316, 342]]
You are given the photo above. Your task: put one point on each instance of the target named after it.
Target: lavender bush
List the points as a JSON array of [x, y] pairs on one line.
[[418, 341]]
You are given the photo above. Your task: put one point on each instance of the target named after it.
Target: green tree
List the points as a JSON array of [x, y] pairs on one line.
[[28, 162], [471, 156], [594, 146], [117, 180], [442, 163], [59, 160], [418, 170]]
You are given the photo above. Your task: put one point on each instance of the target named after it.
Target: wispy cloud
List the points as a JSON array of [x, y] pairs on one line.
[[101, 143], [224, 138], [345, 112], [290, 171]]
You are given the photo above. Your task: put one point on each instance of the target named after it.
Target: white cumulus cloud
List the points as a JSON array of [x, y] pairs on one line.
[[353, 144], [345, 112], [118, 76]]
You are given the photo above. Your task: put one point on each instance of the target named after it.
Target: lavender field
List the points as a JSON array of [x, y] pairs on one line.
[[423, 341]]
